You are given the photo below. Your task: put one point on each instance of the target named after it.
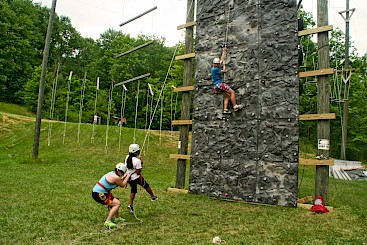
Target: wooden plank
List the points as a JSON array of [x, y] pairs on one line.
[[176, 190], [182, 89], [181, 122], [140, 15], [324, 116], [315, 30], [132, 79], [134, 49], [188, 24], [313, 162], [180, 156], [185, 56], [322, 72]]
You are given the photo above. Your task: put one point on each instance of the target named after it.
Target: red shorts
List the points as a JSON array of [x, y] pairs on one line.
[[222, 87]]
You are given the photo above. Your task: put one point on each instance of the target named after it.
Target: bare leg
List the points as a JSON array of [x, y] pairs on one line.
[[114, 211], [149, 190], [233, 96], [132, 197], [227, 97]]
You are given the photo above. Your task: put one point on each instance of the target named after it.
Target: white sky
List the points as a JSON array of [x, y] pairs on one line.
[[93, 17]]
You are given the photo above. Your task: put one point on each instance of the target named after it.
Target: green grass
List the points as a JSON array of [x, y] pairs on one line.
[[15, 109], [49, 201]]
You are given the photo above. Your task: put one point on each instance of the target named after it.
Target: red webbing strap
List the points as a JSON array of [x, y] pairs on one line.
[[102, 186]]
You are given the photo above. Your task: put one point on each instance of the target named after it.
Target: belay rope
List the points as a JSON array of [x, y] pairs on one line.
[[226, 37]]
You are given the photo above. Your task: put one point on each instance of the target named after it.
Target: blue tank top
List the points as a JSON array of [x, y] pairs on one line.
[[99, 189], [216, 75]]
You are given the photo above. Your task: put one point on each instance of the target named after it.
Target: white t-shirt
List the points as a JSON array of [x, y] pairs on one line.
[[136, 165]]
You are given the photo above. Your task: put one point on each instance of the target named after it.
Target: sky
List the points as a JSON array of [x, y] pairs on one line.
[[93, 17]]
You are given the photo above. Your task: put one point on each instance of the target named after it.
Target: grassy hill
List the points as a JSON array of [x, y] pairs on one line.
[[49, 201]]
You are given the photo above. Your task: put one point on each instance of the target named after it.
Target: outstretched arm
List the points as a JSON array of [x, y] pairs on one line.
[[224, 54]]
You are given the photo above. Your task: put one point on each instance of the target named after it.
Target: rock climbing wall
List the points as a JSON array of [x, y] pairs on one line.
[[252, 154]]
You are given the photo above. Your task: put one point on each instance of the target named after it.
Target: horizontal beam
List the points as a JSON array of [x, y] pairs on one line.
[[315, 30], [324, 116], [314, 162], [185, 56], [181, 122], [182, 89], [134, 49], [188, 24], [178, 191], [132, 79], [179, 156], [322, 72], [140, 15]]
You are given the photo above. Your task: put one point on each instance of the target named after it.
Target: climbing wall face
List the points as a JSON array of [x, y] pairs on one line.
[[251, 154]]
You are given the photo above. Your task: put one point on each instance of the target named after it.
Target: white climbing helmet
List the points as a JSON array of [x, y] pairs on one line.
[[134, 148], [120, 166], [216, 61]]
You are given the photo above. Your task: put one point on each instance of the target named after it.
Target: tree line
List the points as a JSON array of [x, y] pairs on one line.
[[23, 26]]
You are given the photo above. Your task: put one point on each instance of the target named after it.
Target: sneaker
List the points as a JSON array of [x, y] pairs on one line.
[[110, 224], [237, 107], [154, 198], [119, 220], [131, 209], [226, 111]]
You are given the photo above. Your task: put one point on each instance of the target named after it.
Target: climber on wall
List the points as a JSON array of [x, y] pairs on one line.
[[221, 87]]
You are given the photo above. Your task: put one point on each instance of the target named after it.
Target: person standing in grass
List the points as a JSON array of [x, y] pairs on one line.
[[134, 163], [102, 193]]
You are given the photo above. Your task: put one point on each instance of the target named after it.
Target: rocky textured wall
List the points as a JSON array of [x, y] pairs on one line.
[[252, 154]]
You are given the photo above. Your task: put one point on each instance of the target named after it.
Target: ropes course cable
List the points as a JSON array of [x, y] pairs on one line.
[[67, 106], [163, 86], [81, 104], [52, 107]]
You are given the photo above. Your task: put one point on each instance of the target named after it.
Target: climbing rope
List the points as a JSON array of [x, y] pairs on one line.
[[109, 114], [81, 104], [52, 107], [136, 110], [95, 119], [122, 112], [67, 106]]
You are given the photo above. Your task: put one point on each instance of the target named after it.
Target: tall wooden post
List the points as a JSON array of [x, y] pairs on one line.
[[37, 129], [323, 99], [186, 98]]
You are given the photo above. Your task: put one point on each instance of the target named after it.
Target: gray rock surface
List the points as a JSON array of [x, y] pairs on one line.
[[252, 154]]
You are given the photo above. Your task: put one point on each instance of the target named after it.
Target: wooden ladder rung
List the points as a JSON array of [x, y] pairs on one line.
[[181, 122], [185, 56], [188, 24], [315, 30], [322, 72], [324, 116], [182, 89], [314, 162], [180, 156]]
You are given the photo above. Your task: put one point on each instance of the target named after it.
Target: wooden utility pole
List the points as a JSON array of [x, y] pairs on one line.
[[323, 100], [186, 98], [343, 155], [41, 89]]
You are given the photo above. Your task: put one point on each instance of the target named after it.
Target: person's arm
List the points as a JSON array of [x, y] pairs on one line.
[[222, 60], [122, 182], [139, 165], [224, 54]]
